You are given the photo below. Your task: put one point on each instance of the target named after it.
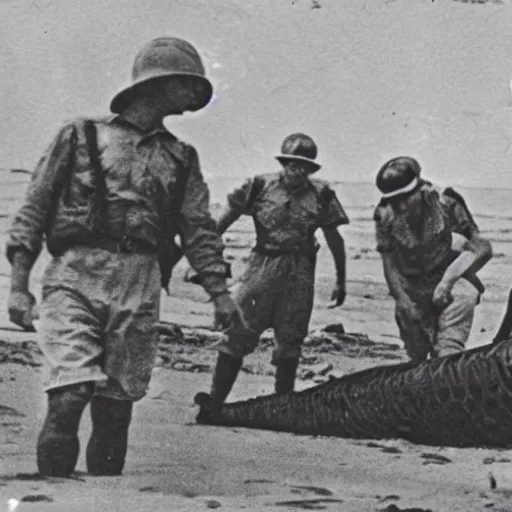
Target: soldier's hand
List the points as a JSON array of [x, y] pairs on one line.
[[442, 295], [338, 295], [191, 276], [21, 308], [225, 311]]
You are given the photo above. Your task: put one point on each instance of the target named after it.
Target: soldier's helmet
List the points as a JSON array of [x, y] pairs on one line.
[[299, 147], [399, 176], [167, 57]]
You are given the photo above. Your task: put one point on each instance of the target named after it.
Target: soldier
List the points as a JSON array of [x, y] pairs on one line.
[[277, 288], [435, 287], [108, 195]]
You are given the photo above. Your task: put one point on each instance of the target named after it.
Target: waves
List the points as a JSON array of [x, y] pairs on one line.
[[491, 207]]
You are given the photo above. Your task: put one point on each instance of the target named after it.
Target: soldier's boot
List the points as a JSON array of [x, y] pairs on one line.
[[107, 447], [57, 445], [286, 372], [225, 374]]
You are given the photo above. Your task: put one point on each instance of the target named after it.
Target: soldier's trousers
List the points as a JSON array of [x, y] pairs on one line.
[[274, 292], [98, 321], [444, 333]]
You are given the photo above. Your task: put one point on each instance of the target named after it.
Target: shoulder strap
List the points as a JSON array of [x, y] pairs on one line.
[[179, 188], [450, 192], [62, 187], [63, 182], [91, 140]]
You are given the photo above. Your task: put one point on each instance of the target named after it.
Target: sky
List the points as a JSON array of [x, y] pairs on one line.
[[367, 79]]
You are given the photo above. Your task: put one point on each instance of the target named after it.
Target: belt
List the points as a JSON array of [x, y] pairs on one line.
[[125, 245], [302, 250]]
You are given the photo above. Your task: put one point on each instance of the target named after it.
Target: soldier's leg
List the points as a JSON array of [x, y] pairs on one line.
[[225, 374], [58, 446], [286, 373], [228, 365], [291, 323], [131, 343], [70, 341], [108, 444], [417, 336], [254, 294], [241, 340], [456, 320]]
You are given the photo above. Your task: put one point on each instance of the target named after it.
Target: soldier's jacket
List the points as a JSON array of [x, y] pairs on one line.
[[422, 262], [283, 220], [140, 172]]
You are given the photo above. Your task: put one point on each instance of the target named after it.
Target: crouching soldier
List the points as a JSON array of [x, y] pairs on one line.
[[108, 195], [277, 288], [435, 287]]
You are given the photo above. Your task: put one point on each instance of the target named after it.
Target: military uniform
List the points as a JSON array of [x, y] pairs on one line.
[[422, 262], [108, 197], [99, 308], [277, 288]]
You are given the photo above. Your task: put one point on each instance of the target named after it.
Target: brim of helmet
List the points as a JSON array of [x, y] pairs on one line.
[[400, 197], [122, 99], [289, 158]]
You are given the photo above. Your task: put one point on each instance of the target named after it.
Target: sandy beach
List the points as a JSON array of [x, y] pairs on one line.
[[175, 464]]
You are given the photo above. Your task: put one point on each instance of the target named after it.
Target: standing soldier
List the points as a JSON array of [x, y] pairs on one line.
[[434, 286], [277, 288], [108, 196]]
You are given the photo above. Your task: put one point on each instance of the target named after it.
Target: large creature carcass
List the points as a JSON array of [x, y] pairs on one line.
[[461, 400]]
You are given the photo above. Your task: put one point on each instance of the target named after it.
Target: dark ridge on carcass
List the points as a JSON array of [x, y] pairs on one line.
[[461, 400]]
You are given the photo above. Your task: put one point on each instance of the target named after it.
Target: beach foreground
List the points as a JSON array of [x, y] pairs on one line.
[[175, 464]]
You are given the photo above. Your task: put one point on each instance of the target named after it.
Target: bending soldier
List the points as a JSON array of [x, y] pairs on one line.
[[434, 286]]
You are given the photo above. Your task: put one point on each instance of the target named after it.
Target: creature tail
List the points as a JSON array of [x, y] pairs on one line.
[[459, 400]]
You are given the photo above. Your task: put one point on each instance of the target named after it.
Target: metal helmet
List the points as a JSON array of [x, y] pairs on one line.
[[398, 176], [299, 147], [166, 57]]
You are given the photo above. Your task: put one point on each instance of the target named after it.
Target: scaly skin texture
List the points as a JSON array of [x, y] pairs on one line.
[[460, 400]]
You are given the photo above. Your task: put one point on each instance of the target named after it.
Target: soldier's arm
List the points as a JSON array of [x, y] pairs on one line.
[[475, 253], [476, 243], [29, 223], [240, 202], [21, 262], [228, 217], [202, 244], [333, 216], [483, 250], [383, 217], [475, 250], [394, 278], [336, 245]]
